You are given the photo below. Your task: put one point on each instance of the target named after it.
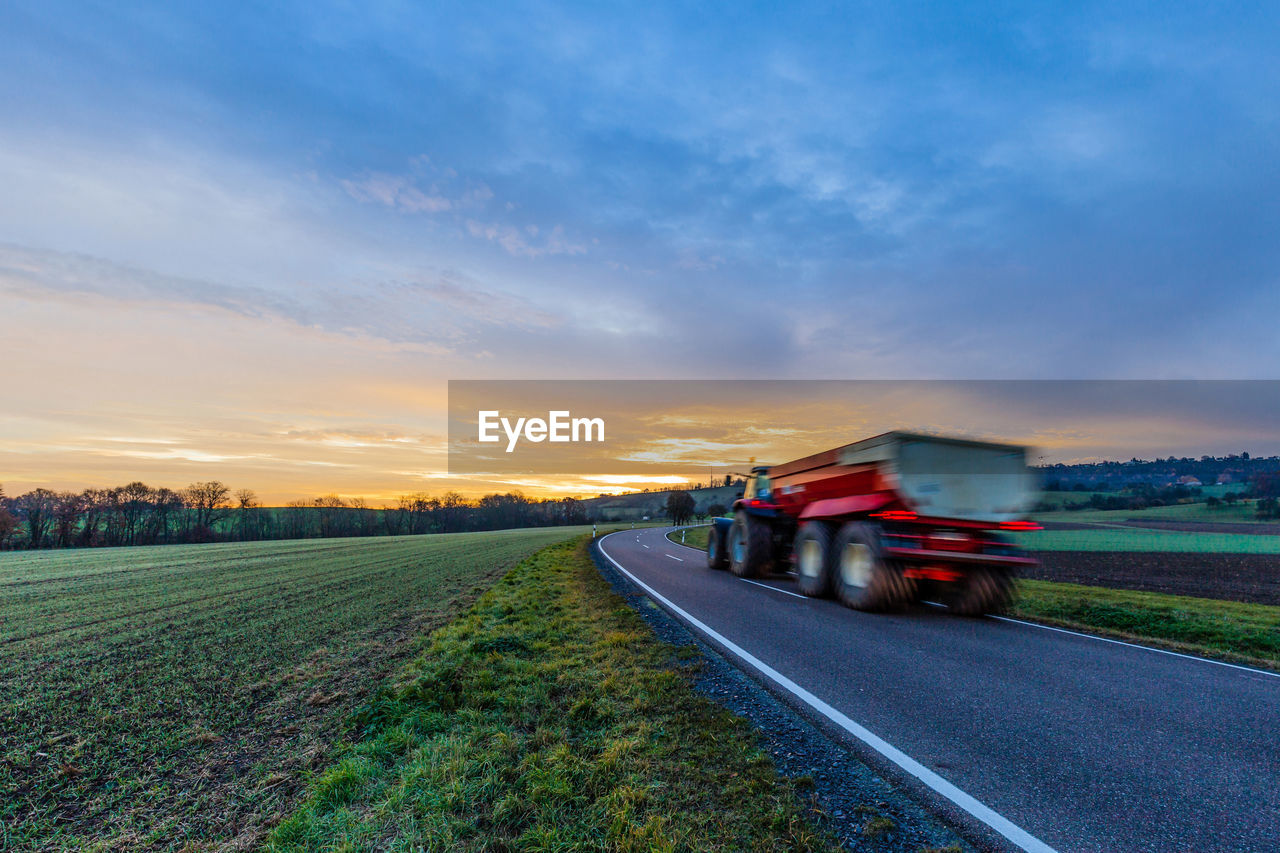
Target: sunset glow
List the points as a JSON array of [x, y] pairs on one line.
[[213, 266]]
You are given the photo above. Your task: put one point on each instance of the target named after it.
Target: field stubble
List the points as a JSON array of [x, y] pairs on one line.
[[176, 696]]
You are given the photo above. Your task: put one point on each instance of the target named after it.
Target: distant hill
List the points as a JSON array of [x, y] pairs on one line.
[[637, 505], [1206, 471]]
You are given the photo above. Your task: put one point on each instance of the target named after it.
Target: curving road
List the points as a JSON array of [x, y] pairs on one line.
[[1037, 738]]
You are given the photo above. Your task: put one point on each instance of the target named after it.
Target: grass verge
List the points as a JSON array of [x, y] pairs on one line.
[[548, 717], [694, 537], [1248, 633]]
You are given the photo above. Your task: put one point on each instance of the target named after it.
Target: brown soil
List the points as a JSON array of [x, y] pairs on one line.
[[1235, 577]]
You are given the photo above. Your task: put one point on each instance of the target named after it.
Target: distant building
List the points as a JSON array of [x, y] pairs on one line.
[[1189, 480]]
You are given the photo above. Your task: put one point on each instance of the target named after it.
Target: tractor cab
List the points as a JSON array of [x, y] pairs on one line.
[[757, 487]]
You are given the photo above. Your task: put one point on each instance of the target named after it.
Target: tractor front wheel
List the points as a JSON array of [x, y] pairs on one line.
[[717, 551], [750, 546]]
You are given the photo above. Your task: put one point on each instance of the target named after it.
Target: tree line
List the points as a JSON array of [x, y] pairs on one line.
[[137, 514], [1112, 476]]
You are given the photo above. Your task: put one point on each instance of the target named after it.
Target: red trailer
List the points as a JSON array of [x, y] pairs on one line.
[[883, 522]]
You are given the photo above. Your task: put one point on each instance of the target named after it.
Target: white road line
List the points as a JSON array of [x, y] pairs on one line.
[[1240, 667], [757, 583], [645, 545], [1137, 646], [673, 557], [1123, 643], [1018, 836], [774, 588]]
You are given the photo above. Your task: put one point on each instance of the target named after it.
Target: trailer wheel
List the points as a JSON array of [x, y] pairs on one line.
[[813, 558], [861, 576], [750, 546], [717, 553], [985, 589]]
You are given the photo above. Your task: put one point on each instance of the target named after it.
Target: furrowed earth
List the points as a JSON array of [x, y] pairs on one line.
[[1235, 577]]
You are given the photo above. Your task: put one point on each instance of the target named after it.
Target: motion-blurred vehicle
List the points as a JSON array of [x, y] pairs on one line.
[[887, 521]]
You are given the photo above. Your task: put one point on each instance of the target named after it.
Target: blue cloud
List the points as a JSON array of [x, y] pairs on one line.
[[920, 188]]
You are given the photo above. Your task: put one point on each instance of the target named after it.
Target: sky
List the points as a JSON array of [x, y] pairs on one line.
[[656, 433], [253, 244]]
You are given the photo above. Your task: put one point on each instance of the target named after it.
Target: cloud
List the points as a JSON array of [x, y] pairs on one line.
[[524, 242], [401, 313], [396, 192], [631, 192], [355, 437]]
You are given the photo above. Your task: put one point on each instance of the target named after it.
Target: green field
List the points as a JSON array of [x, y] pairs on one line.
[[158, 694], [549, 718], [694, 537], [1057, 499], [1243, 512], [1139, 539], [1060, 497]]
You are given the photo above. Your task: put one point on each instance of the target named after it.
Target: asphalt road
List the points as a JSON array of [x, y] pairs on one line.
[[1045, 739]]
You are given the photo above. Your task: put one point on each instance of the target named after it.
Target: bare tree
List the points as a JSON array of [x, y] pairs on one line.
[[419, 509], [366, 518], [95, 504], [133, 503], [298, 519], [67, 510], [247, 506], [37, 508], [210, 505], [680, 505], [167, 512], [8, 521], [331, 515], [453, 509]]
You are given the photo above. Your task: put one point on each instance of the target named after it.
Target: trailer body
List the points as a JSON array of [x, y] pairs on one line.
[[882, 521]]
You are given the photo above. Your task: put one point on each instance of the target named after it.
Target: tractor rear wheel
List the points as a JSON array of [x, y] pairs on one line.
[[984, 589], [717, 552], [750, 546], [861, 576], [813, 558]]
